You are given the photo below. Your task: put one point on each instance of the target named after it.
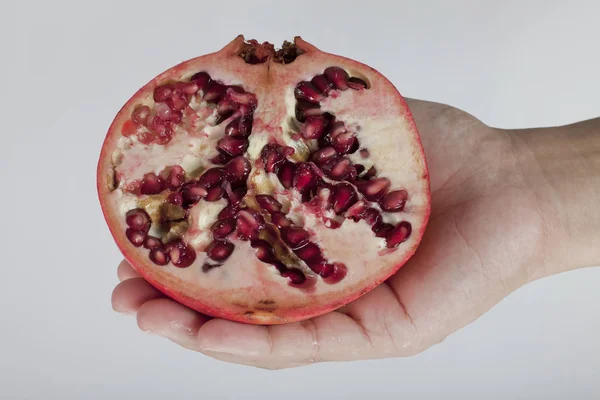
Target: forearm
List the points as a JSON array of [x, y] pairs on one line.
[[561, 166]]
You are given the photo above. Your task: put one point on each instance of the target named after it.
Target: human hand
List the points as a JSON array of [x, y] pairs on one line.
[[492, 229]]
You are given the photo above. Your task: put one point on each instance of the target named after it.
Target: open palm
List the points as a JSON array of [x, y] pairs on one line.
[[479, 246]]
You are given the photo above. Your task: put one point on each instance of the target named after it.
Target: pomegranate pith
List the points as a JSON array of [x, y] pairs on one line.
[[265, 186]]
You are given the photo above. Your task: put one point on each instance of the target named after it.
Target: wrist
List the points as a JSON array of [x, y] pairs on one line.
[[560, 166]]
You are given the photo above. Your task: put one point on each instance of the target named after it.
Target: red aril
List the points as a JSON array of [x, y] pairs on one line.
[[265, 186]]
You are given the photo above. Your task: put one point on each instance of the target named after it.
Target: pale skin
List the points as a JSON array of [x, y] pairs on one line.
[[508, 207]]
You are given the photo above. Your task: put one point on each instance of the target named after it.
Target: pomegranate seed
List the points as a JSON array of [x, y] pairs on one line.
[[248, 225], [230, 211], [338, 77], [178, 102], [223, 228], [296, 276], [357, 211], [158, 256], [164, 137], [273, 155], [140, 115], [152, 242], [307, 91], [382, 229], [352, 173], [313, 128], [175, 178], [182, 255], [135, 237], [268, 203], [364, 153], [138, 219], [192, 193], [151, 184], [227, 107], [220, 250], [343, 197], [176, 117], [243, 98], [280, 220], [222, 117], [163, 111], [133, 186], [233, 129], [305, 178], [200, 79], [323, 156], [286, 174], [186, 87], [235, 196], [305, 109], [163, 93], [339, 272], [394, 201], [237, 170], [310, 253], [175, 198], [236, 88], [156, 125], [344, 142], [359, 168], [357, 83], [399, 234], [294, 237], [212, 177], [372, 216], [146, 137], [246, 110], [324, 196], [264, 251], [245, 126], [232, 146], [239, 128], [322, 84], [322, 268], [221, 158], [338, 169], [129, 128], [374, 189], [214, 193], [214, 92]]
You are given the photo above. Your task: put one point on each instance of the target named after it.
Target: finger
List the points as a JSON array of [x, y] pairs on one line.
[[129, 295], [332, 337], [170, 319], [125, 271], [181, 325]]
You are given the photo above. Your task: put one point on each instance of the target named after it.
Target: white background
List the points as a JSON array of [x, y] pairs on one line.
[[67, 67]]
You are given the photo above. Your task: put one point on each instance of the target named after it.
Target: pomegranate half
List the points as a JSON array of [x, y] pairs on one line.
[[265, 186]]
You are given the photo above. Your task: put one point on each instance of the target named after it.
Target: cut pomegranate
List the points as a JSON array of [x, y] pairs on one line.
[[265, 186]]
